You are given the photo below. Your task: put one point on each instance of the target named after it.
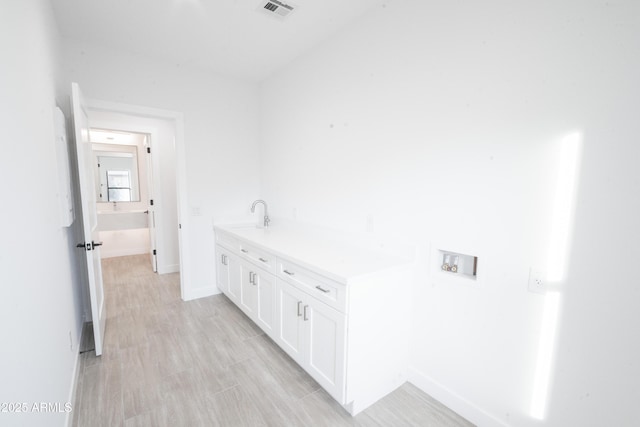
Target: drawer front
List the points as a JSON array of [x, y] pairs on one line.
[[262, 259], [227, 240], [326, 290]]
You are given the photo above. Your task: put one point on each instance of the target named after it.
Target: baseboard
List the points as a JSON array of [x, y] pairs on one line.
[[206, 291], [171, 268], [453, 400], [74, 384]]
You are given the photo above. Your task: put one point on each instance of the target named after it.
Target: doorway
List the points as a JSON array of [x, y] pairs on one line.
[[164, 131], [123, 171]]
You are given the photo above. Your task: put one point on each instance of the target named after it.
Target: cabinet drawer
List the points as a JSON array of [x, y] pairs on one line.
[[227, 240], [263, 259], [326, 290]]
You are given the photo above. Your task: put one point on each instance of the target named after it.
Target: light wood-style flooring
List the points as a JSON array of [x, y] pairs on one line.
[[167, 362]]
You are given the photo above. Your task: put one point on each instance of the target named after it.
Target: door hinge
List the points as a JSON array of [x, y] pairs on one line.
[[151, 202], [154, 252], [180, 226], [149, 150]]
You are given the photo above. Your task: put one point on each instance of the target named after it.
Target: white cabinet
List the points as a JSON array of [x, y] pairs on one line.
[[289, 328], [324, 289], [340, 312], [258, 296], [313, 334], [246, 284], [258, 257], [248, 291], [228, 273], [266, 310], [235, 278], [222, 269], [325, 347]]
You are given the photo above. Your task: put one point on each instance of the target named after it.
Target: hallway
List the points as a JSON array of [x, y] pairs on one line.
[[167, 362]]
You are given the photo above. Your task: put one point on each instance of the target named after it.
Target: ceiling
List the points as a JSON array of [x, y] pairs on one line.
[[229, 37]]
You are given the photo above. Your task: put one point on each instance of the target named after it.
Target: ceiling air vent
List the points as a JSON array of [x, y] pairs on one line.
[[277, 8]]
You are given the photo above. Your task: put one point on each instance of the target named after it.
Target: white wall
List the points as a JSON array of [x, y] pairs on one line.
[[220, 133], [40, 297], [444, 123]]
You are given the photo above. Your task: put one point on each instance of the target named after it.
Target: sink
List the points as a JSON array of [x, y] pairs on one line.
[[122, 220]]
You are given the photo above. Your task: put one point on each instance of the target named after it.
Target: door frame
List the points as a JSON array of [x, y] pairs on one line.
[[181, 172], [152, 190]]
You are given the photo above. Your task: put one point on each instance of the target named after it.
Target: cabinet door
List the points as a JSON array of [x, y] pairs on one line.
[[235, 278], [289, 325], [266, 314], [222, 270], [248, 290], [325, 346]]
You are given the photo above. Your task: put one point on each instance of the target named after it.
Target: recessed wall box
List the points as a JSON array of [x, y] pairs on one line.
[[457, 264]]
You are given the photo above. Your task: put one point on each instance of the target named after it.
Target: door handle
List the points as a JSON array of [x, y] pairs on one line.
[[89, 246], [299, 307], [245, 251], [305, 317]]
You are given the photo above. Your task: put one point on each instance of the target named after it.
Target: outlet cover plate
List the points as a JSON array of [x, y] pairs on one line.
[[537, 281]]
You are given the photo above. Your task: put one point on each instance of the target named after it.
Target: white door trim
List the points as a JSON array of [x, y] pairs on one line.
[[181, 172]]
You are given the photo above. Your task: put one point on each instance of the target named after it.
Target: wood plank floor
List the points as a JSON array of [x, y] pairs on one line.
[[167, 362]]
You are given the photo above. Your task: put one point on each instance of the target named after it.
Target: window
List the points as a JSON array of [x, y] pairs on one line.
[[119, 186]]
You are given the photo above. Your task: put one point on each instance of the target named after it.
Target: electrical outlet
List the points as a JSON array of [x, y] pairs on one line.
[[537, 282]]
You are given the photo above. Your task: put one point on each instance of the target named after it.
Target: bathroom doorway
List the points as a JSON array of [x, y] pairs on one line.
[[123, 176], [139, 204]]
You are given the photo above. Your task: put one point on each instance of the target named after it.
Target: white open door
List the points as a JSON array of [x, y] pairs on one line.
[[89, 216]]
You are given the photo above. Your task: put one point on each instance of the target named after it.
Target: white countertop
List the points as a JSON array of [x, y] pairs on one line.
[[337, 259]]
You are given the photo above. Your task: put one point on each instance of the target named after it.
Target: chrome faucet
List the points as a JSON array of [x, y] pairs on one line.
[[266, 214]]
